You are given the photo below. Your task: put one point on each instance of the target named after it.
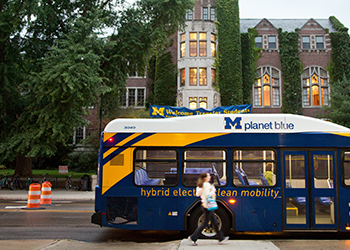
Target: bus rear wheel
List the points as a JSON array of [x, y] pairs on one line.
[[221, 216]]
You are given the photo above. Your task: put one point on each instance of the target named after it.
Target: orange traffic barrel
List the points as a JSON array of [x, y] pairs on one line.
[[46, 199], [34, 196]]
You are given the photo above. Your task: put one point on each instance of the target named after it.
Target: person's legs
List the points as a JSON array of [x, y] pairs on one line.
[[199, 229], [215, 225]]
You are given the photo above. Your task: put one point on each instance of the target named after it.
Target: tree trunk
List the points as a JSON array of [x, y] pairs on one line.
[[23, 166]]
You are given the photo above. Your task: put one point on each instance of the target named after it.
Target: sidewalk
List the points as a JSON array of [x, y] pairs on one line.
[[56, 194]]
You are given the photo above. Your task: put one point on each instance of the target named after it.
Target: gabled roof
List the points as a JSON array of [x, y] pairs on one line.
[[286, 24]]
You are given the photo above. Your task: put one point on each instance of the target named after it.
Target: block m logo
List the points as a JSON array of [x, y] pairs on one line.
[[156, 111], [236, 123]]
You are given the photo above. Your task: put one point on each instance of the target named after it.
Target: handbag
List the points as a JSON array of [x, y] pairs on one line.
[[211, 204]]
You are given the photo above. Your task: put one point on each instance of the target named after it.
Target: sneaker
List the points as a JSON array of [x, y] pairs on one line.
[[192, 242], [224, 240]]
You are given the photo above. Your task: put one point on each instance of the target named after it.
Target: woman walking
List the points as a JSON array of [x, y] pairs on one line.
[[204, 190]]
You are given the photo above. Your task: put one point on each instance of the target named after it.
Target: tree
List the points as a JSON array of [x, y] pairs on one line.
[[61, 66], [229, 58], [339, 109]]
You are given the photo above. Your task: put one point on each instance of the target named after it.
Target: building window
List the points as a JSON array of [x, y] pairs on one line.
[[205, 13], [213, 37], [213, 49], [272, 42], [193, 48], [258, 41], [134, 97], [182, 77], [213, 79], [212, 14], [203, 102], [189, 15], [202, 36], [203, 48], [266, 89], [306, 42], [182, 37], [193, 77], [193, 102], [193, 36], [202, 76], [319, 42], [182, 49], [315, 87], [79, 135]]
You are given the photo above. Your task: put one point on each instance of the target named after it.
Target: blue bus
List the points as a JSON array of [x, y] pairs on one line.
[[272, 173]]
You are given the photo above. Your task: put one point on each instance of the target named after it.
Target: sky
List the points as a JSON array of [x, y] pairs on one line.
[[302, 9]]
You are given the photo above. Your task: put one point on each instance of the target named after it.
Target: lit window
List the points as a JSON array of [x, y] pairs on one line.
[[202, 76], [213, 49], [182, 49], [193, 102], [266, 89], [213, 37], [203, 48], [315, 87], [193, 48], [183, 37], [193, 36], [203, 102], [306, 42], [182, 77], [272, 42], [202, 36], [193, 76]]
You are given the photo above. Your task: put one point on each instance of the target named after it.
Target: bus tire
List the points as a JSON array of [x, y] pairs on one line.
[[222, 218]]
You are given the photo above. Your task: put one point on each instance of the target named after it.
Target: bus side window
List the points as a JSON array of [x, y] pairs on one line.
[[346, 168], [155, 167], [197, 161], [254, 168]]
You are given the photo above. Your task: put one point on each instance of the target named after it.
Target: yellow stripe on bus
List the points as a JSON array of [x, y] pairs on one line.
[[113, 174]]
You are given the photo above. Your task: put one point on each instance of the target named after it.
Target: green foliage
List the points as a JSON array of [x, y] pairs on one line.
[[337, 24], [165, 85], [82, 161], [291, 70], [340, 57], [339, 109], [229, 62], [250, 55], [53, 64]]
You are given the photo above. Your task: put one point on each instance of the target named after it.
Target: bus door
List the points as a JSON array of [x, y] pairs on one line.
[[309, 190]]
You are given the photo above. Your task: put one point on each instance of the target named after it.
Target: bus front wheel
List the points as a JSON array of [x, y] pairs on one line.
[[197, 218]]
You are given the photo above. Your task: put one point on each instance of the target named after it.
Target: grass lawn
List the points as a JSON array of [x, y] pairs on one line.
[[49, 173]]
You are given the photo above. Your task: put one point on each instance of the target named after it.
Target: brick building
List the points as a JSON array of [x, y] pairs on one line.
[[194, 51]]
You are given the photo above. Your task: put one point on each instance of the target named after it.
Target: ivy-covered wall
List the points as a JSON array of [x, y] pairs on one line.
[[165, 86], [229, 57], [340, 57], [291, 71], [249, 62]]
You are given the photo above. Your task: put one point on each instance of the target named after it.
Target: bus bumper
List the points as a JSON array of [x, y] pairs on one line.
[[96, 218]]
